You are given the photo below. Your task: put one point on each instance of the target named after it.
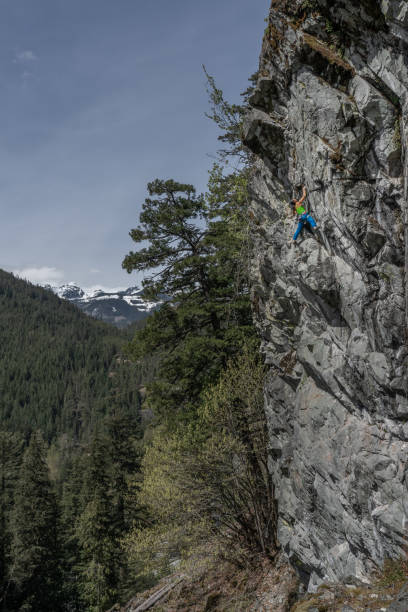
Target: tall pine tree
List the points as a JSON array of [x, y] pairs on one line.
[[10, 460], [98, 568], [35, 571], [196, 254], [124, 434]]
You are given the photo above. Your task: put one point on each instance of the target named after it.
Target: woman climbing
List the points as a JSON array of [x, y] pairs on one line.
[[304, 217]]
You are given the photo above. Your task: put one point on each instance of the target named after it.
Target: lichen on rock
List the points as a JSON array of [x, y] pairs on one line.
[[334, 306]]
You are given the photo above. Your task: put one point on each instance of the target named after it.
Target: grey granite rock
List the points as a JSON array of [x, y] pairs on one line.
[[333, 116]]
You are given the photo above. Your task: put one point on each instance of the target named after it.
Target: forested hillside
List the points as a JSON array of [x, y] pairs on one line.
[[70, 430], [60, 371]]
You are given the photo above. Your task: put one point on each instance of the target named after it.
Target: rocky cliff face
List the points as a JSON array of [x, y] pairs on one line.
[[330, 111]]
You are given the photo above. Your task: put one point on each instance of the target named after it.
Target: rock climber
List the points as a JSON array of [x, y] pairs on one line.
[[303, 216]]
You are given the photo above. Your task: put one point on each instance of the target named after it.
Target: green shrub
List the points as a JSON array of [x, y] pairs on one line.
[[210, 481]]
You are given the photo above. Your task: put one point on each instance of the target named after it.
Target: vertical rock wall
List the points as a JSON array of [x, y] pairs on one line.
[[330, 111]]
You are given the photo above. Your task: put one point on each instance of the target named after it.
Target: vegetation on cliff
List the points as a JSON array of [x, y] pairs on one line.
[[205, 475]]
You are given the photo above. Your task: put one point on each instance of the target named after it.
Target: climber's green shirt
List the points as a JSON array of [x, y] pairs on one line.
[[300, 210]]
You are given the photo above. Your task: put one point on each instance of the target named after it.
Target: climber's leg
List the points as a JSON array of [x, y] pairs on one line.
[[311, 222], [298, 230]]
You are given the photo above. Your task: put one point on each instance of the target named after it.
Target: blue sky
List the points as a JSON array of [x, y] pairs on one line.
[[98, 98]]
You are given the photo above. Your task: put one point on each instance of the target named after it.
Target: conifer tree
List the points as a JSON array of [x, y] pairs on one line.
[[124, 440], [35, 571], [98, 576], [123, 431], [229, 119], [10, 459], [71, 509], [195, 254]]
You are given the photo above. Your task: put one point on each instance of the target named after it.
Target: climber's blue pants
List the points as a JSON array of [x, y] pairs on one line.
[[303, 219]]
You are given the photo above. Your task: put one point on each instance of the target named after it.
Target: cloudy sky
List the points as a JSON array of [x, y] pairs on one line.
[[98, 98]]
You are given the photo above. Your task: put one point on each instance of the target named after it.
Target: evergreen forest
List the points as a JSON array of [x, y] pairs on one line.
[[125, 453], [70, 429], [58, 369]]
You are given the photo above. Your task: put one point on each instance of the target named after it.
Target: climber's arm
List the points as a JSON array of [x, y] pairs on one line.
[[303, 198]]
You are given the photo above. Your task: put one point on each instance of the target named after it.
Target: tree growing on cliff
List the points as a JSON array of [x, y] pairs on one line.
[[209, 482], [196, 252], [229, 119]]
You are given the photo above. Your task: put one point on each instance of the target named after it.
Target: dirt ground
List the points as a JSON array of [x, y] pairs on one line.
[[207, 585]]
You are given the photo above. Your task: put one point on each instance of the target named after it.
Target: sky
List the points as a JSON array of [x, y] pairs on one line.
[[99, 97]]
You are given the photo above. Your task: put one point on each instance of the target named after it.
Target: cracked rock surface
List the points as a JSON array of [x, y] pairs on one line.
[[330, 111]]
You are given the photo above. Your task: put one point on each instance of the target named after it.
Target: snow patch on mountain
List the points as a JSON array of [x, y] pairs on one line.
[[118, 305]]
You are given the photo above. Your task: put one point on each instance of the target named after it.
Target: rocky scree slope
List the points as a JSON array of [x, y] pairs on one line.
[[330, 110]]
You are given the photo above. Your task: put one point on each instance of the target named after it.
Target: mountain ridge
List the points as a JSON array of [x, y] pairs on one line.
[[120, 307]]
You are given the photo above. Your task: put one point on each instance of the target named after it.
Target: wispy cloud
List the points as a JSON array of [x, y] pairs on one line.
[[25, 56], [40, 275]]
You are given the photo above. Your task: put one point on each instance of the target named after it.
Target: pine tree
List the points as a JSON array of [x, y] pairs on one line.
[[10, 460], [195, 252], [98, 576], [123, 431], [229, 118], [123, 436], [71, 508], [35, 571]]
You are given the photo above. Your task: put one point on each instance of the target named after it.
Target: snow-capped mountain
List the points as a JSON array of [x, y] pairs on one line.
[[120, 307]]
